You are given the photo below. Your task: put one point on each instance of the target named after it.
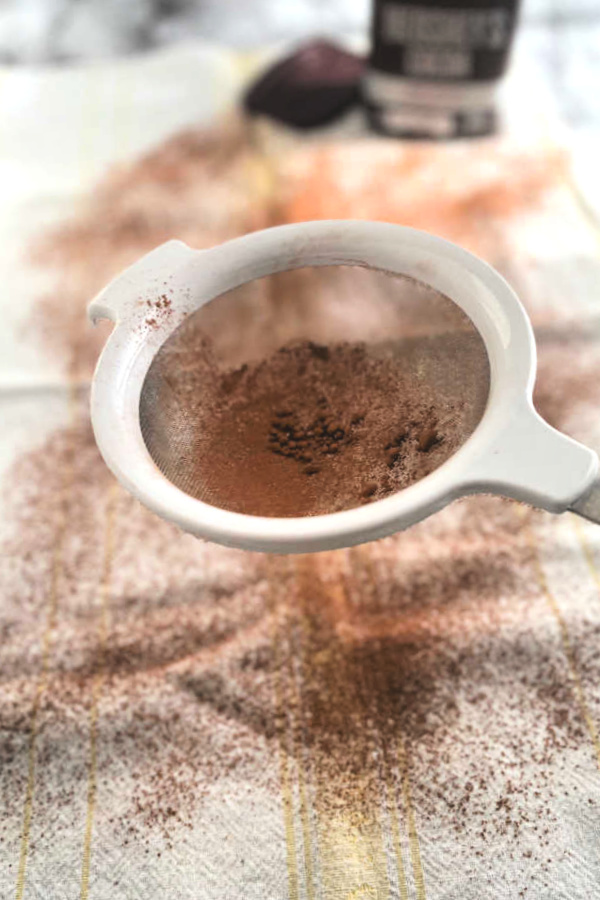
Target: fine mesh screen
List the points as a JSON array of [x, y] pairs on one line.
[[313, 391]]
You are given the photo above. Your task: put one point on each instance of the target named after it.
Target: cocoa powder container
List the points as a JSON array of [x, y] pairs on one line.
[[435, 65]]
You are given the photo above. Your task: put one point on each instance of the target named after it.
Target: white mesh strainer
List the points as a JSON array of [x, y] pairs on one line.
[[193, 332]]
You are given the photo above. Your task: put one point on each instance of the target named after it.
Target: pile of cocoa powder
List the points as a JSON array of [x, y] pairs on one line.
[[316, 429], [312, 429]]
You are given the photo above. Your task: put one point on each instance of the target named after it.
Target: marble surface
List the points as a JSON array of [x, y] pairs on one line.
[[561, 37]]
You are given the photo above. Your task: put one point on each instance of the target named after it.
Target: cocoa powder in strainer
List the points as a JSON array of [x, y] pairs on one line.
[[316, 429], [312, 428]]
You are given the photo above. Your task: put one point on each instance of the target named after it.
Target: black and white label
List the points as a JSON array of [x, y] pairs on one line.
[[443, 40]]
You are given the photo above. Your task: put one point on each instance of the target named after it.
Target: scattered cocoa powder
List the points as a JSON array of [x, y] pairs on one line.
[[415, 184], [202, 186], [438, 640]]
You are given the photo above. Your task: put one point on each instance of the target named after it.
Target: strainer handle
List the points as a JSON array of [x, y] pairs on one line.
[[588, 506]]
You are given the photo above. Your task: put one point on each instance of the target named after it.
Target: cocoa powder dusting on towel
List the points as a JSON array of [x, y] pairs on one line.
[[436, 643], [202, 640]]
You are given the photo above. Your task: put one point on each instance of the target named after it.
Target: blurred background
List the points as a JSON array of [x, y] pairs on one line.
[[561, 38]]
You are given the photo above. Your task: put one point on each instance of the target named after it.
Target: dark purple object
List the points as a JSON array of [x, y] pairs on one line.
[[312, 87]]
